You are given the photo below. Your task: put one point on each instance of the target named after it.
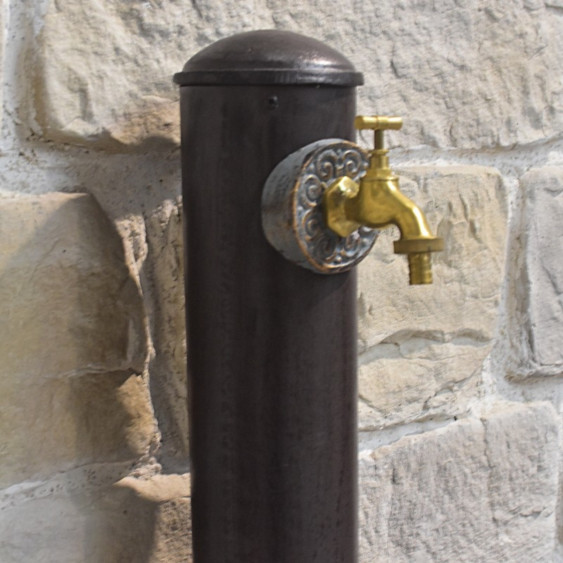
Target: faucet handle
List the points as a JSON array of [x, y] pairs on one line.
[[378, 124]]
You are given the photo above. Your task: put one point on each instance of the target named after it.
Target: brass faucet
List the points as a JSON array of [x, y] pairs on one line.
[[377, 202]]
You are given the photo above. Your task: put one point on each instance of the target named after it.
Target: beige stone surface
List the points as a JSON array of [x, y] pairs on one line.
[[422, 347], [73, 340], [136, 520], [164, 269], [2, 54], [536, 302], [463, 74], [476, 490], [104, 70]]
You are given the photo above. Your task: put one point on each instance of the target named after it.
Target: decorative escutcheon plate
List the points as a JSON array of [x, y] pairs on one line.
[[292, 215]]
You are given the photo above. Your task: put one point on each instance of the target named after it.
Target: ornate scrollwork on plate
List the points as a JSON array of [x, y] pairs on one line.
[[292, 213]]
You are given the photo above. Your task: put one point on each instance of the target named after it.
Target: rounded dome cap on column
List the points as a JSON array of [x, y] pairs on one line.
[[269, 57]]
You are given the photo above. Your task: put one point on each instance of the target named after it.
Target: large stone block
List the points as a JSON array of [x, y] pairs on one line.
[[104, 74], [476, 490], [422, 347], [135, 520], [73, 340], [463, 74], [536, 294]]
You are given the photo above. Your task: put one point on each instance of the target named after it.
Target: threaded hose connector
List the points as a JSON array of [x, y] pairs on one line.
[[420, 268]]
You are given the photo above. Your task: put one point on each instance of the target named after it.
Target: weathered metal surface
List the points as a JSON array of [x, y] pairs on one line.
[[272, 346], [292, 214], [269, 57]]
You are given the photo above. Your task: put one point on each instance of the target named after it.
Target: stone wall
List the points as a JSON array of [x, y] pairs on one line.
[[460, 382]]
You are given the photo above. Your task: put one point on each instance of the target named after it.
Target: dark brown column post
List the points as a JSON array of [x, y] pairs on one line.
[[271, 346]]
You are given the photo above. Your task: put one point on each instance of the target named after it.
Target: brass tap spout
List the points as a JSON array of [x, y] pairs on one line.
[[377, 202]]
